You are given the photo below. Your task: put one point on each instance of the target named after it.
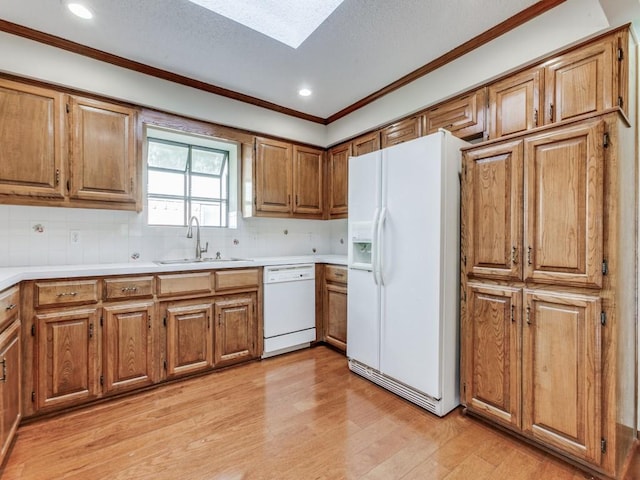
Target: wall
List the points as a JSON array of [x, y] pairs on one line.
[[111, 236]]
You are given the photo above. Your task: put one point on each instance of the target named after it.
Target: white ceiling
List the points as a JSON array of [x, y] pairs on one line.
[[362, 47]]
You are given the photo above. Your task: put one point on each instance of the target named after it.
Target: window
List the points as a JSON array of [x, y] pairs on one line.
[[186, 176]]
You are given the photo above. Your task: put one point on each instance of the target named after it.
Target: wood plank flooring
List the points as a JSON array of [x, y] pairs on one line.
[[298, 416]]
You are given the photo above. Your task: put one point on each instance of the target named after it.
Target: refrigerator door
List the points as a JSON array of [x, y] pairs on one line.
[[363, 293], [411, 266]]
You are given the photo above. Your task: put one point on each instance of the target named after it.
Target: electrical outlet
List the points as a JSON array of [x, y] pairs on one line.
[[74, 236]]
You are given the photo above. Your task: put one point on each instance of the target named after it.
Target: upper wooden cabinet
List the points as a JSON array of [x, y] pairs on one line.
[[365, 144], [463, 116], [32, 135], [103, 151], [288, 180], [61, 150], [515, 103], [338, 194], [308, 185], [401, 131], [582, 81]]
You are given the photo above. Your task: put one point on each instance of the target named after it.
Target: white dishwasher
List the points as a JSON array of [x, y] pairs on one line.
[[289, 308]]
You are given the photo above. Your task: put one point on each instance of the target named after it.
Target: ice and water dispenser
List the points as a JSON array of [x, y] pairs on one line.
[[360, 251]]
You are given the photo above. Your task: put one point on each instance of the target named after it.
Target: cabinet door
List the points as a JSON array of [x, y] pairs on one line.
[[127, 349], [515, 103], [404, 130], [103, 152], [273, 176], [366, 144], [236, 329], [10, 385], [189, 339], [335, 315], [493, 211], [462, 116], [339, 180], [308, 181], [491, 357], [68, 357], [581, 82], [561, 372], [563, 173], [32, 139]]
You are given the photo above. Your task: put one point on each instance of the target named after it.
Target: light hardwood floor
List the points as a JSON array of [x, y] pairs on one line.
[[298, 416]]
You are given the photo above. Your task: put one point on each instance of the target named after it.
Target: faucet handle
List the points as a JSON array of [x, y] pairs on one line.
[[205, 249]]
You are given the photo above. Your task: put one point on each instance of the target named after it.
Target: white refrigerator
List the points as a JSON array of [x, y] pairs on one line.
[[403, 254]]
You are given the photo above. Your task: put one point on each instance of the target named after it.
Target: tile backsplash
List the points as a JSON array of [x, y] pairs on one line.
[[54, 236]]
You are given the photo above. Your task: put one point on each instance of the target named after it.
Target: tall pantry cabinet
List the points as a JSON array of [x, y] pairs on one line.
[[548, 287]]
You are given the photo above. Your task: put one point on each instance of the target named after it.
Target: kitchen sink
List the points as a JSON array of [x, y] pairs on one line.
[[183, 261]]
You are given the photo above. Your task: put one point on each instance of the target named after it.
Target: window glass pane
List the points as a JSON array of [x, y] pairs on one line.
[[167, 155], [206, 187], [166, 183], [207, 161], [210, 214], [166, 211]]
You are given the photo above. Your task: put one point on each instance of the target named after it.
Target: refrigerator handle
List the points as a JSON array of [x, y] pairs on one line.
[[379, 255], [374, 249]]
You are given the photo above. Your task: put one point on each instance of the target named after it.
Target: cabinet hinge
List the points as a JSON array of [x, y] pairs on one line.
[[620, 54], [33, 329], [603, 318], [164, 364], [620, 102], [101, 321], [67, 107], [164, 320], [33, 396], [603, 445], [605, 140], [464, 389], [605, 267], [101, 379], [68, 186]]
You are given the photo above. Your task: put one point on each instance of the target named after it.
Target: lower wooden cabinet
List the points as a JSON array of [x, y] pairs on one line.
[[10, 385], [189, 337], [67, 357], [128, 346], [235, 329], [334, 308]]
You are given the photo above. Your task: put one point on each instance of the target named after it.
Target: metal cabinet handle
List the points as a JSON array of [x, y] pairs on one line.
[[67, 294], [535, 117], [512, 313], [11, 307], [4, 370], [528, 315], [514, 255], [128, 289], [91, 330], [528, 255]]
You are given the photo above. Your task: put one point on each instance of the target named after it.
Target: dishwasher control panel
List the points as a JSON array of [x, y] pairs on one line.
[[289, 273]]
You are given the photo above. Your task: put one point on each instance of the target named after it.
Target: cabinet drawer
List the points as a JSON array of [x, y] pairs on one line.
[[134, 287], [235, 279], [9, 306], [66, 292], [182, 283], [335, 273]]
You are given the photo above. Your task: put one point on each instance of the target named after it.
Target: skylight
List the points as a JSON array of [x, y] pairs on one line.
[[287, 21]]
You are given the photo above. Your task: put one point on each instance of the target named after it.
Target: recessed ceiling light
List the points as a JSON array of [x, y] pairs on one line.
[[288, 21], [80, 10], [304, 92]]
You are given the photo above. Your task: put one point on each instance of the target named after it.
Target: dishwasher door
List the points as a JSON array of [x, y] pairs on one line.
[[289, 308]]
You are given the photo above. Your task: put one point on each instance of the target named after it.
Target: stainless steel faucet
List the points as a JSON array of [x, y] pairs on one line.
[[199, 251]]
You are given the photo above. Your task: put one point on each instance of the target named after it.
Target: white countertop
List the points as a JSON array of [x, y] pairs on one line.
[[13, 275]]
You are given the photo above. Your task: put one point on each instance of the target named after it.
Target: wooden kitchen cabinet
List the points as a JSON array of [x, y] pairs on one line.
[[561, 371], [464, 116], [516, 103], [338, 174], [402, 131], [288, 180], [335, 306], [11, 362], [128, 346], [491, 352], [32, 135], [103, 152], [548, 292], [67, 150], [68, 357], [367, 143], [308, 181], [236, 329], [189, 337]]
